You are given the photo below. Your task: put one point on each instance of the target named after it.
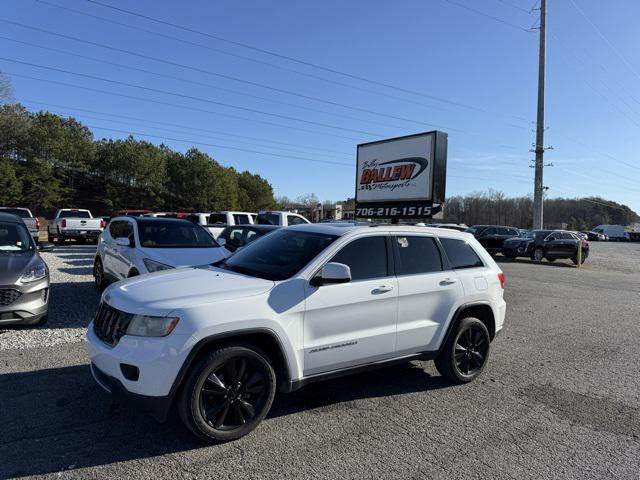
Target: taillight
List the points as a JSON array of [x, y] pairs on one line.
[[501, 279], [63, 224], [103, 224], [37, 223]]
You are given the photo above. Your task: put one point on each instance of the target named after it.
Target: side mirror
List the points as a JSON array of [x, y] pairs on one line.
[[221, 241], [332, 273], [123, 242], [45, 247]]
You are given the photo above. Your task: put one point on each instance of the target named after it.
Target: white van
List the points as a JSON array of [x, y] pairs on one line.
[[614, 232]]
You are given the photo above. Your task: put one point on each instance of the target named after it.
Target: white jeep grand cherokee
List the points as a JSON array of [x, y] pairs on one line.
[[301, 304]]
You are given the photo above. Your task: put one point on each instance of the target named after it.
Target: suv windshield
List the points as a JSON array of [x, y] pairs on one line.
[[173, 234], [279, 255], [14, 238]]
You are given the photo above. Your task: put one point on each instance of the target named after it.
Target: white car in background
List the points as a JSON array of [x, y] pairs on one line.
[[132, 246]]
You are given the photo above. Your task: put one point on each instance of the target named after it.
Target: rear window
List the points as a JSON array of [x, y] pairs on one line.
[[268, 219], [460, 253], [21, 212], [217, 218], [241, 219], [173, 234], [74, 214]]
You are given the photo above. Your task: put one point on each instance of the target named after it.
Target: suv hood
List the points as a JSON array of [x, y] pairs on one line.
[[13, 265], [185, 257], [161, 292]]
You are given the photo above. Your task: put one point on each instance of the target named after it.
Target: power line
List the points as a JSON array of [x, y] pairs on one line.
[[297, 60], [193, 109], [180, 127], [517, 7], [220, 75], [605, 39], [190, 97], [477, 12], [235, 55], [127, 117], [194, 82]]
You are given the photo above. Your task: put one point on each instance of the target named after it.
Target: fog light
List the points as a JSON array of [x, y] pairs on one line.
[[130, 372]]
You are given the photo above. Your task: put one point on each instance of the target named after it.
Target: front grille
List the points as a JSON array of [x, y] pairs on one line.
[[110, 324], [9, 295]]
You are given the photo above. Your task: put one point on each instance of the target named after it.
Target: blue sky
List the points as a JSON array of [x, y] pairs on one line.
[[476, 77]]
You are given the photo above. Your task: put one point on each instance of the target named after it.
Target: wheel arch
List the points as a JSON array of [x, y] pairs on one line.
[[264, 339], [480, 310]]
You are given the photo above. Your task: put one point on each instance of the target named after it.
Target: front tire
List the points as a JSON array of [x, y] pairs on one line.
[[98, 275], [227, 393], [538, 255], [465, 352]]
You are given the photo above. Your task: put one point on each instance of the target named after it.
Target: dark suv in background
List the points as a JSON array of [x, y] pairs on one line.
[[546, 244], [492, 237]]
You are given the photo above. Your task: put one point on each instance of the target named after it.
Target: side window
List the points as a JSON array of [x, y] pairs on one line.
[[127, 231], [367, 258], [418, 255], [554, 236], [514, 232], [460, 253], [240, 219], [489, 231], [115, 229], [294, 220], [503, 231], [567, 236]]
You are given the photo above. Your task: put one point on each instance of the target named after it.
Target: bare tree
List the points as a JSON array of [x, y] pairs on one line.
[[6, 90]]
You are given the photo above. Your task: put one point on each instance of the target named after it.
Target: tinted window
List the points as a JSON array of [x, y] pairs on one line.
[[14, 237], [294, 220], [251, 236], [503, 231], [460, 253], [234, 237], [74, 214], [279, 255], [268, 219], [241, 219], [513, 231], [489, 231], [21, 212], [217, 218], [567, 236], [418, 255], [173, 234], [367, 258]]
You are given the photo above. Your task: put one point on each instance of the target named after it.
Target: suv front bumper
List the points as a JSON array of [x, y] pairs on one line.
[[29, 307]]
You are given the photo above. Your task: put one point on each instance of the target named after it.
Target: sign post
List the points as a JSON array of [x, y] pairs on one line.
[[403, 177]]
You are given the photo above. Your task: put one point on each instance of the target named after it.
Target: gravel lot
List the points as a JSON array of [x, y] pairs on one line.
[[560, 397]]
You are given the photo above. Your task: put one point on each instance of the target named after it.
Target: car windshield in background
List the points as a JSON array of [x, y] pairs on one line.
[[173, 234], [538, 234], [279, 255], [14, 238], [74, 214], [21, 212]]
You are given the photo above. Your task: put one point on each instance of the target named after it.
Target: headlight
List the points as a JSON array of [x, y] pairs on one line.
[[146, 326], [35, 273], [154, 266]]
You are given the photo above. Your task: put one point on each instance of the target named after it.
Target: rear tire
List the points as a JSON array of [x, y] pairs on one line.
[[227, 393], [60, 241], [465, 352], [537, 255]]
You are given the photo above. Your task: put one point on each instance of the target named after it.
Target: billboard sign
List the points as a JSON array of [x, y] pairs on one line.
[[402, 177]]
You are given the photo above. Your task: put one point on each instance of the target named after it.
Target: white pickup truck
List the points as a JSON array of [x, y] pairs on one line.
[[281, 218], [216, 222], [74, 223]]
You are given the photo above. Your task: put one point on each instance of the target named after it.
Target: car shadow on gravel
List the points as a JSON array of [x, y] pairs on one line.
[[64, 420]]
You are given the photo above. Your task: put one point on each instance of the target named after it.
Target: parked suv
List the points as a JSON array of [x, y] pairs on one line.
[[491, 237], [298, 305], [132, 246], [24, 276], [547, 244]]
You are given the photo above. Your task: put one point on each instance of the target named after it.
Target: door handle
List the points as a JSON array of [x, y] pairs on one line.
[[448, 281], [383, 289]]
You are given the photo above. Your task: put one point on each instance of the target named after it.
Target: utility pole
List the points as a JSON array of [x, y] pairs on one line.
[[538, 200]]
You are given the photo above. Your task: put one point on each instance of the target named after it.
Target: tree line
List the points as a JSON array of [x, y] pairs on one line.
[[495, 208], [48, 161]]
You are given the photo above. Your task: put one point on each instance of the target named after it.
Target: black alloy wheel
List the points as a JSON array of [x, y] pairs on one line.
[[227, 393], [465, 352], [471, 350], [233, 393]]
